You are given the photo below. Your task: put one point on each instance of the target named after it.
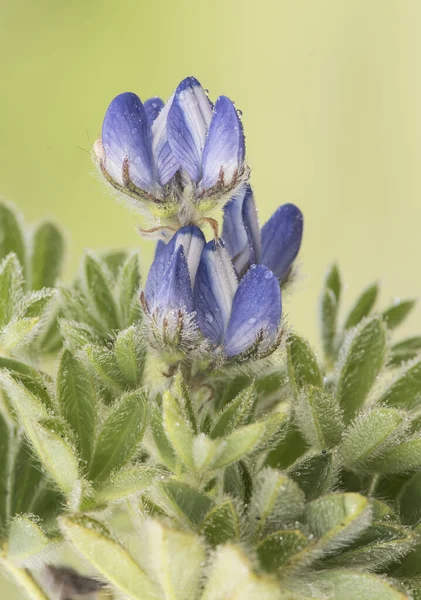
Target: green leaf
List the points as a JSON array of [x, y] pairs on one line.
[[291, 447], [221, 524], [162, 444], [120, 435], [329, 305], [28, 481], [386, 544], [75, 306], [174, 560], [348, 585], [302, 364], [114, 260], [370, 436], [235, 414], [178, 429], [405, 351], [47, 256], [276, 501], [53, 450], [128, 286], [130, 355], [35, 304], [11, 236], [232, 577], [338, 519], [278, 548], [11, 287], [405, 390], [5, 439], [26, 539], [35, 381], [183, 502], [316, 473], [182, 393], [363, 357], [125, 483], [17, 333], [362, 307], [94, 542], [238, 444], [318, 417], [50, 441], [98, 286], [409, 500], [400, 459], [397, 313], [103, 365], [77, 402], [76, 335], [238, 482]]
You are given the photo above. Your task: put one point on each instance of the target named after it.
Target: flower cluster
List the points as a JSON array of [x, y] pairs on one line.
[[220, 300], [179, 160], [208, 299]]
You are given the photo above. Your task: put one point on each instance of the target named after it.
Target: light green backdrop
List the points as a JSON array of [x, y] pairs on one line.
[[331, 97]]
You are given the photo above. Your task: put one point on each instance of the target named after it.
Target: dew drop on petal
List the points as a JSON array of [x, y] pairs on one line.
[[268, 275], [209, 317], [252, 321]]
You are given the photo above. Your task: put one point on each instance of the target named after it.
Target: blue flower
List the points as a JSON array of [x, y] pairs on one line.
[[175, 154], [276, 245], [207, 141], [169, 285], [236, 316]]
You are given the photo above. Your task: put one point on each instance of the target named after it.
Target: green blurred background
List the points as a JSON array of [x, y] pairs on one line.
[[330, 92]]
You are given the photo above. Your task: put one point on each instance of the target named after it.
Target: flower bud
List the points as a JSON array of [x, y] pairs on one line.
[[276, 245], [178, 160]]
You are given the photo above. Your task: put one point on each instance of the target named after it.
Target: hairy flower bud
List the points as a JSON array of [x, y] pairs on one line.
[[196, 306], [179, 159]]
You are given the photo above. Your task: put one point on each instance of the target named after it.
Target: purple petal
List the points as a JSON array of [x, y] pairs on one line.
[[215, 287], [223, 155], [125, 134], [160, 245], [192, 240], [166, 163], [175, 291], [251, 225], [256, 310], [153, 107], [163, 255], [240, 230], [187, 124], [281, 239]]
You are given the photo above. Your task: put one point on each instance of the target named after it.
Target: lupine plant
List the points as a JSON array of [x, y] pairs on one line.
[[173, 438]]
